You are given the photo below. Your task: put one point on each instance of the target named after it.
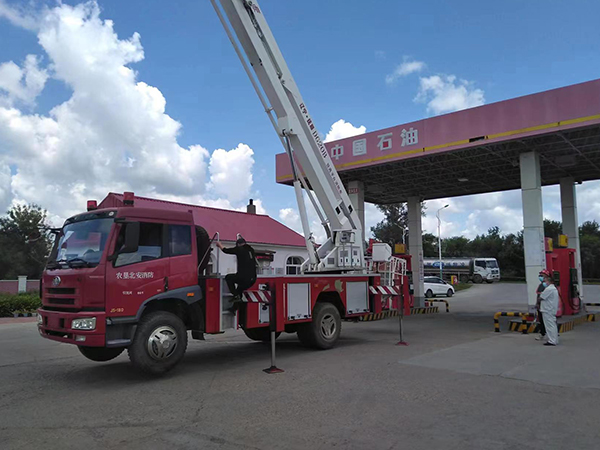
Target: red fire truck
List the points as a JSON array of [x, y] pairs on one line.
[[132, 277]]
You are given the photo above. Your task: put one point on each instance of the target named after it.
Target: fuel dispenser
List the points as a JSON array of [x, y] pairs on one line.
[[560, 262]]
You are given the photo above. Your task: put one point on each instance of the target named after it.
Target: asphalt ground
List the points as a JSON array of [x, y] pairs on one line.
[[458, 385]]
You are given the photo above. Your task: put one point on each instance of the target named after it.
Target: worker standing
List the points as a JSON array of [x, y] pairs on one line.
[[549, 299], [540, 317], [246, 270]]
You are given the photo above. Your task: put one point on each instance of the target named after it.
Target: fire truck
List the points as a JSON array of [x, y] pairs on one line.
[[129, 277]]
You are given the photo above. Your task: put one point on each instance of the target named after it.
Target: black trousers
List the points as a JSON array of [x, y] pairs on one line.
[[542, 326], [238, 283]]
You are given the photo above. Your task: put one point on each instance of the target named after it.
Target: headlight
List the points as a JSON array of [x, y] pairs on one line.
[[84, 324], [40, 319]]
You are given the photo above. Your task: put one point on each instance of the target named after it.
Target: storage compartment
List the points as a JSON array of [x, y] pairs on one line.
[[257, 315], [357, 297], [381, 252], [298, 301]]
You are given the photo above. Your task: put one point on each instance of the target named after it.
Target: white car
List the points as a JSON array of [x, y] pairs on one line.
[[436, 286]]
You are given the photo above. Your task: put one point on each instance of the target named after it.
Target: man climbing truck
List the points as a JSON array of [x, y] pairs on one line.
[[246, 270], [128, 277]]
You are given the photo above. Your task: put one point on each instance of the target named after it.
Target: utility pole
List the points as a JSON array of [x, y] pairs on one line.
[[440, 238]]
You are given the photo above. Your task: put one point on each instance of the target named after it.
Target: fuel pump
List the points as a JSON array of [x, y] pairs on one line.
[[560, 262]]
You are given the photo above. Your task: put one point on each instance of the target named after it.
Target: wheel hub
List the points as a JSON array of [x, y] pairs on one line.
[[162, 342], [328, 326]]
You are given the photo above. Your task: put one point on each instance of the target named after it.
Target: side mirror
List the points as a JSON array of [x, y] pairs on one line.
[[132, 238]]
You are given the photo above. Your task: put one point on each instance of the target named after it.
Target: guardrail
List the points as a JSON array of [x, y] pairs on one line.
[[439, 300], [506, 314]]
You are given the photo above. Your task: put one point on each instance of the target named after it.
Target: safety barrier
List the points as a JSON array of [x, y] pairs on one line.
[[505, 314], [439, 300], [429, 310]]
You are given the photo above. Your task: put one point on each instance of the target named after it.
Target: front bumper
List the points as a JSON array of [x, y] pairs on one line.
[[56, 325]]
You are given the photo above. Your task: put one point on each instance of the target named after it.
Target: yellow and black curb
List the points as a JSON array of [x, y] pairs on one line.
[[428, 310], [568, 325], [506, 314]]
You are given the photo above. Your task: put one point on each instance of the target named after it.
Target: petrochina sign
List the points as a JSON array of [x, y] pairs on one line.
[[385, 142]]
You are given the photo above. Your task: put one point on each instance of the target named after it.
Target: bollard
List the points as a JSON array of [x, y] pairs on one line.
[[401, 342], [505, 314]]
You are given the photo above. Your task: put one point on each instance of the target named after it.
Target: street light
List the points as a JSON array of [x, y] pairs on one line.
[[440, 237]]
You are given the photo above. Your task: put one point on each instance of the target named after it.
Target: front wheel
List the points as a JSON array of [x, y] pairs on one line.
[[477, 279], [159, 344], [450, 293], [324, 330], [100, 354]]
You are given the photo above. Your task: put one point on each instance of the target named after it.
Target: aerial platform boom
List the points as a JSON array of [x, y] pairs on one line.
[[280, 96]]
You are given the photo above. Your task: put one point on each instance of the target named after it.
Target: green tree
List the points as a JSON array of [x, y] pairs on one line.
[[552, 228], [395, 221], [24, 242], [589, 244], [430, 245], [457, 246]]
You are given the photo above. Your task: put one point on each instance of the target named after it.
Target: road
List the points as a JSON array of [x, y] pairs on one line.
[[457, 385]]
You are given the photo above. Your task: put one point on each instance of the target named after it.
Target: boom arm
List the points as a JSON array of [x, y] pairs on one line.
[[289, 115]]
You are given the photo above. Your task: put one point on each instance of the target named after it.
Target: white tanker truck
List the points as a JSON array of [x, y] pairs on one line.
[[476, 270]]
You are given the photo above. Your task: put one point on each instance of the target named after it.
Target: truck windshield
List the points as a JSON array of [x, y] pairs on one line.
[[81, 243], [491, 264]]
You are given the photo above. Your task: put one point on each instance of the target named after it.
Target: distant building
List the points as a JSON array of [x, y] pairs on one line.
[[279, 249]]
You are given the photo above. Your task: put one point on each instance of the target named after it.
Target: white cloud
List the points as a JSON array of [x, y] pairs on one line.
[[112, 134], [446, 93], [406, 68], [342, 129], [18, 16], [231, 172], [21, 84]]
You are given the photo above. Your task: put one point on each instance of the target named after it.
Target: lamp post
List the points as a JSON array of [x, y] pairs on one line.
[[440, 238]]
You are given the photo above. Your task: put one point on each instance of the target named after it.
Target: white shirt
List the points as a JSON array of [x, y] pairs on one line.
[[550, 300]]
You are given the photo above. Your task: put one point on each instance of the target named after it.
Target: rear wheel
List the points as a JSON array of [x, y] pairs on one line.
[[159, 344], [100, 354], [450, 293], [464, 279], [477, 279], [429, 293], [489, 281], [324, 330], [260, 334]]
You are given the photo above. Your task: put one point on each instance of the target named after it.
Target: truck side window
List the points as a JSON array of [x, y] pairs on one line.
[[180, 240], [150, 245], [480, 263]]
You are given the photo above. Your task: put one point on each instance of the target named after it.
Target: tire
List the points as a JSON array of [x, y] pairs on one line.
[[260, 334], [146, 352], [324, 330], [489, 281], [450, 293], [429, 293], [464, 279], [477, 279], [100, 354]]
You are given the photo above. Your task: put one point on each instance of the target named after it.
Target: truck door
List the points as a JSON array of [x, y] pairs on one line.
[[132, 278], [183, 263]]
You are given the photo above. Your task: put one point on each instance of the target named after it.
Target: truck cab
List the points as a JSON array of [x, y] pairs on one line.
[[485, 269]]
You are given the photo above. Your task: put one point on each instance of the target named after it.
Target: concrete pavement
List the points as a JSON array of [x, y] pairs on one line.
[[457, 386]]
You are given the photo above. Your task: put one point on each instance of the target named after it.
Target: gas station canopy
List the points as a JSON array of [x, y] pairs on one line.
[[475, 150]]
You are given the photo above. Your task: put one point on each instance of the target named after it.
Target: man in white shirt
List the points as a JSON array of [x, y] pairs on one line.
[[549, 299]]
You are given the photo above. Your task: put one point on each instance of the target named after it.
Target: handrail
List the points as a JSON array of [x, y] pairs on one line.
[[440, 301], [208, 250]]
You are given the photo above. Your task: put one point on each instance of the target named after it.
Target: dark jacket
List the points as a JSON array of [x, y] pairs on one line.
[[246, 260]]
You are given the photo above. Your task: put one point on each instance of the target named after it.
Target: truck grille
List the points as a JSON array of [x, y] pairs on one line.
[[61, 301], [61, 291]]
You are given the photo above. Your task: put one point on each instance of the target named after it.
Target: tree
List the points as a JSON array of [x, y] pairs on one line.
[[552, 228], [24, 242], [589, 244], [430, 245], [390, 230], [457, 246]]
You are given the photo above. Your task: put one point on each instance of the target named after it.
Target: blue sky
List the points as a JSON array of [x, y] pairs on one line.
[[339, 52]]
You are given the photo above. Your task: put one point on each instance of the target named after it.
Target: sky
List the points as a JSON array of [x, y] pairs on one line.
[[105, 95]]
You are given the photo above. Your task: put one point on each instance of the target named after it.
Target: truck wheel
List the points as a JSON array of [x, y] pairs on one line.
[[159, 344], [464, 279], [260, 334], [100, 354], [324, 330], [477, 279], [429, 293], [450, 293], [489, 281]]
